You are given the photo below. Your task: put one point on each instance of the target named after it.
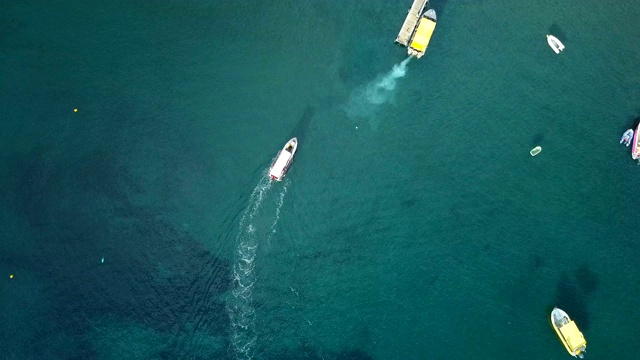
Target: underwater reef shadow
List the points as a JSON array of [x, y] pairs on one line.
[[538, 262], [586, 279], [308, 352], [556, 31], [302, 126], [570, 299], [537, 139], [154, 275]]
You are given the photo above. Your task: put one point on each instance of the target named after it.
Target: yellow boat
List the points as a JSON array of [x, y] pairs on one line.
[[421, 37], [568, 333]]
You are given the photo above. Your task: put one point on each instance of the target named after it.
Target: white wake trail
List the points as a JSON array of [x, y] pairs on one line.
[[279, 206], [379, 91], [241, 310], [254, 228], [365, 100]]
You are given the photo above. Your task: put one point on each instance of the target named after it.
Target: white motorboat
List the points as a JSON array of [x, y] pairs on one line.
[[283, 160], [555, 44]]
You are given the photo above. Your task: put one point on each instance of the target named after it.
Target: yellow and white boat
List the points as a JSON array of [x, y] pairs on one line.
[[568, 333], [417, 28], [420, 40]]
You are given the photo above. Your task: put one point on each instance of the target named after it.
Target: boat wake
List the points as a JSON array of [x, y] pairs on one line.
[[364, 100], [279, 206], [254, 228]]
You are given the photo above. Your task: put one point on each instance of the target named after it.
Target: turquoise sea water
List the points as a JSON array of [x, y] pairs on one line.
[[413, 223]]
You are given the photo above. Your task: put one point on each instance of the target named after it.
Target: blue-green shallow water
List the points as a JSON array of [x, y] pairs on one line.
[[412, 225]]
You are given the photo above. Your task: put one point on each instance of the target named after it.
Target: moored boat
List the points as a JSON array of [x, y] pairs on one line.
[[627, 137], [555, 44], [282, 162], [535, 151], [568, 332], [635, 147], [422, 35]]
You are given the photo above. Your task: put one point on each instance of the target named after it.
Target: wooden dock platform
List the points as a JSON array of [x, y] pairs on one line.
[[411, 21]]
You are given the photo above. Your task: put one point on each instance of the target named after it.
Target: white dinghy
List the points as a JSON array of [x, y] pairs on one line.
[[555, 44]]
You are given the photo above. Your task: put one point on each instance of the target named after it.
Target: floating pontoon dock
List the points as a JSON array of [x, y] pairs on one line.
[[411, 22]]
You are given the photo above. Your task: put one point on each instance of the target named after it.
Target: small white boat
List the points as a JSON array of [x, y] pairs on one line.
[[555, 44], [282, 162], [627, 137], [635, 147], [535, 151]]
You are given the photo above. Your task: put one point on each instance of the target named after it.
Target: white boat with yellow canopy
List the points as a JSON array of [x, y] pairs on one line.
[[421, 37], [568, 332]]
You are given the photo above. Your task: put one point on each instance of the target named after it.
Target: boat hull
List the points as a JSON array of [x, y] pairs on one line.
[[422, 36], [568, 333], [283, 160], [555, 44], [635, 150], [535, 151]]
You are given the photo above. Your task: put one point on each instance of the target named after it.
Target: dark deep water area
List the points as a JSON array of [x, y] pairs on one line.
[[138, 222]]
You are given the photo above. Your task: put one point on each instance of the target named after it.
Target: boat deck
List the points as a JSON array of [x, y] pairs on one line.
[[410, 22]]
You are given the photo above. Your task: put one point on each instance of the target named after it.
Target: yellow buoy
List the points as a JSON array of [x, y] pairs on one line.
[[11, 276], [75, 110]]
